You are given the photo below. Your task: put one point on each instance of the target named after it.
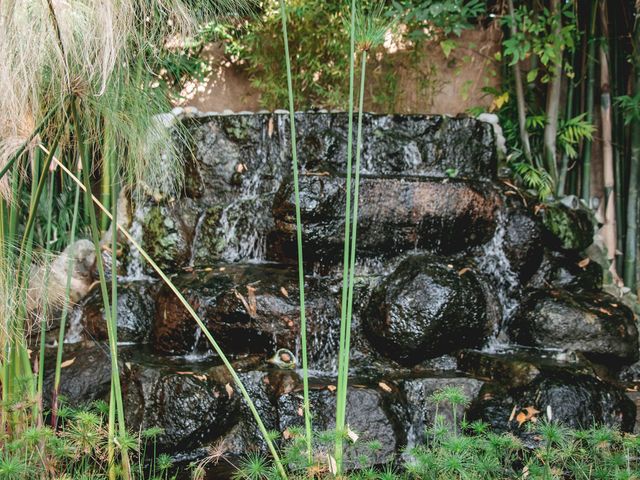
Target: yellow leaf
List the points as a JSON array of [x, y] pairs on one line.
[[385, 387], [67, 363], [584, 263], [499, 101]]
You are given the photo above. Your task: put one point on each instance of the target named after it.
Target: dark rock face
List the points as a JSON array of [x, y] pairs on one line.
[[422, 409], [425, 309], [568, 271], [85, 380], [188, 406], [577, 401], [251, 309], [241, 161], [522, 242], [136, 309], [596, 324], [394, 214], [368, 415]]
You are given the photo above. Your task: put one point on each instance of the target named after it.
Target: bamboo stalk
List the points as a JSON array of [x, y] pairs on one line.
[[296, 186], [631, 243], [609, 227], [65, 309], [344, 362], [591, 86], [553, 98]]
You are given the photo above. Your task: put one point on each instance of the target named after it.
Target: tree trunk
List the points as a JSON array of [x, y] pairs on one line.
[[609, 227], [553, 98], [522, 109]]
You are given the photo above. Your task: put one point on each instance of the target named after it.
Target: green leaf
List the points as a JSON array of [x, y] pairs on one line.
[[448, 46], [532, 75]]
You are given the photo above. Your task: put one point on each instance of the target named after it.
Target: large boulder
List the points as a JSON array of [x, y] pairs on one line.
[[567, 228], [595, 324], [422, 406], [247, 309], [136, 310], [575, 400], [395, 215], [369, 415], [425, 309]]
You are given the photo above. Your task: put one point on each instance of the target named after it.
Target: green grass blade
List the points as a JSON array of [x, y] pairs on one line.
[[296, 186], [342, 381]]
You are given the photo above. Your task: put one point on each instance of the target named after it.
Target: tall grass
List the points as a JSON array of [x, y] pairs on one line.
[[367, 30], [296, 186]]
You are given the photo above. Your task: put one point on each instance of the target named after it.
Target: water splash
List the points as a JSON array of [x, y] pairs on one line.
[[504, 282], [135, 265], [74, 330]]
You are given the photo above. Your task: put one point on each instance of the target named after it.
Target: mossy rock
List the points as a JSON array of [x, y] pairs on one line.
[[567, 228]]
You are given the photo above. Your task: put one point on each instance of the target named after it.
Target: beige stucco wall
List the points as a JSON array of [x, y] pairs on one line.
[[433, 84]]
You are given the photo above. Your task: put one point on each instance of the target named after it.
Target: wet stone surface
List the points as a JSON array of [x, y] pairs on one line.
[[595, 324], [425, 309], [462, 281]]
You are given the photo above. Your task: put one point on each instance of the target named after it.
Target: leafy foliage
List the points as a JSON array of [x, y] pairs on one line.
[[433, 19]]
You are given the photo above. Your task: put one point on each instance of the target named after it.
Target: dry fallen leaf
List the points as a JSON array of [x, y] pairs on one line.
[[528, 414], [331, 388], [583, 263], [270, 127], [284, 292], [463, 271], [229, 390], [67, 363], [353, 436], [331, 462], [513, 413], [300, 412], [287, 435], [385, 387]]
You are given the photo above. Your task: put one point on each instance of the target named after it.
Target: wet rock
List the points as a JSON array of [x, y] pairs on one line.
[[401, 144], [394, 215], [595, 324], [522, 241], [191, 408], [567, 228], [568, 271], [85, 379], [167, 233], [136, 309], [518, 366], [577, 401], [250, 309], [245, 435], [425, 309], [422, 408], [369, 415]]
